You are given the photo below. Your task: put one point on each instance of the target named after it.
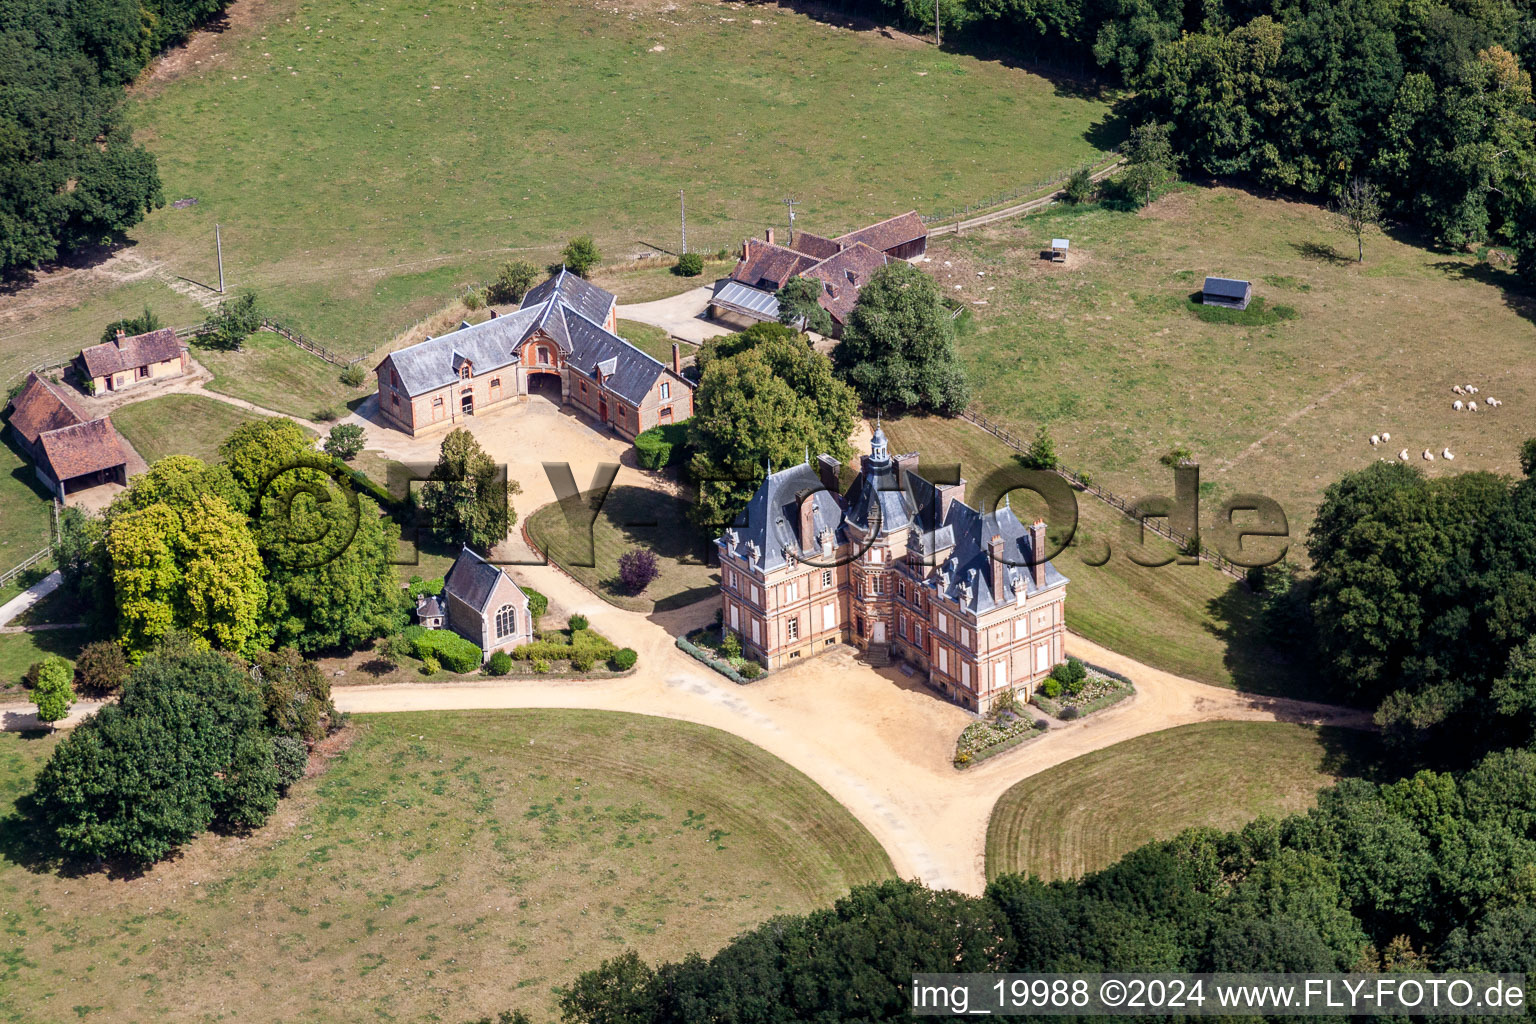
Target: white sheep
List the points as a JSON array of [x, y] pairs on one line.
[[1493, 403], [1471, 407], [1429, 456], [1385, 437], [1403, 454], [1445, 453], [1458, 389], [1375, 440], [1457, 405], [1471, 390]]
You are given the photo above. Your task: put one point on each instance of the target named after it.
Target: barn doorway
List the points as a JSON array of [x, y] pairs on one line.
[[545, 385]]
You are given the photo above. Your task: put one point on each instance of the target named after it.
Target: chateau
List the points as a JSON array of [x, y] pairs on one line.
[[560, 343], [897, 566]]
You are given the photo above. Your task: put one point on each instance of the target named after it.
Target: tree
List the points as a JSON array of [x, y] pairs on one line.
[[1528, 457], [768, 404], [1079, 188], [467, 498], [235, 320], [512, 281], [295, 693], [579, 256], [1150, 160], [1358, 208], [898, 346], [142, 324], [53, 694], [1042, 451], [800, 306], [101, 668], [726, 345], [183, 751], [637, 569], [689, 264], [345, 441], [80, 552]]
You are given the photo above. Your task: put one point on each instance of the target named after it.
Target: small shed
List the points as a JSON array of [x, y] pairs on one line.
[[1226, 291], [1059, 247]]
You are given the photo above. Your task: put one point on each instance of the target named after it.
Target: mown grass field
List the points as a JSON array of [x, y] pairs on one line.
[[364, 164], [1104, 351], [271, 372], [18, 651], [631, 517], [444, 867], [653, 341], [1084, 815], [25, 513], [1187, 619], [179, 425]]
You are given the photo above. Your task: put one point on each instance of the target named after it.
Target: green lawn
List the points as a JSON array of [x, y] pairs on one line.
[[1105, 352], [273, 373], [1190, 620], [25, 511], [649, 280], [18, 651], [385, 134], [631, 517], [1083, 815], [179, 425], [653, 341], [444, 867]]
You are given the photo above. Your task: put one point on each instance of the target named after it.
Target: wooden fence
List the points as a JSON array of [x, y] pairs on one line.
[[1106, 160], [1182, 542], [296, 338], [36, 556]]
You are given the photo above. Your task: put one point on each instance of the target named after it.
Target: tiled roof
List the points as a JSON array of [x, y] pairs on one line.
[[583, 296], [846, 272], [888, 234], [813, 245], [129, 353], [472, 579], [38, 408], [769, 266], [82, 448]]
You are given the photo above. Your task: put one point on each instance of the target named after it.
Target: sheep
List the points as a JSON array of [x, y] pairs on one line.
[[1375, 440], [1493, 403], [1471, 390], [1471, 407], [1429, 456], [1445, 453], [1458, 389], [1457, 405], [1385, 437], [1403, 455]]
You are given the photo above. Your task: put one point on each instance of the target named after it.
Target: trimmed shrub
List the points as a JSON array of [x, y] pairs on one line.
[[1042, 724], [624, 659], [430, 666], [637, 570], [541, 666], [345, 441], [447, 648], [291, 758], [689, 264], [581, 661], [751, 670], [662, 445], [578, 623], [101, 667], [538, 604], [328, 414], [500, 664], [1051, 687], [1069, 712], [353, 375]]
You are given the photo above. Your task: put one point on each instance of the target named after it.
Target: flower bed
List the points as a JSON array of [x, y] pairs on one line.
[[705, 645], [1100, 689], [1002, 730]]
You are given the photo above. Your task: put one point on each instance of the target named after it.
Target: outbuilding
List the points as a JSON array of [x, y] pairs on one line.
[[1059, 247], [1226, 291]]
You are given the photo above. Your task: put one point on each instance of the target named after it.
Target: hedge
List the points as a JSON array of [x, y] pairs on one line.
[[624, 659], [707, 656], [538, 604], [448, 648], [582, 644], [662, 445]]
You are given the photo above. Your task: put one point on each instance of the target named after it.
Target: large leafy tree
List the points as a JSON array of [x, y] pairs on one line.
[[799, 304], [898, 347], [468, 498], [183, 751], [771, 403]]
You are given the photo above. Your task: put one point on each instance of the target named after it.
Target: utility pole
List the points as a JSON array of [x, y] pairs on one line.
[[790, 204], [218, 244], [937, 41], [682, 206]]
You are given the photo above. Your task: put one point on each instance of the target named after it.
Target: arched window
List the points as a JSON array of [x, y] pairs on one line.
[[506, 621], [466, 370]]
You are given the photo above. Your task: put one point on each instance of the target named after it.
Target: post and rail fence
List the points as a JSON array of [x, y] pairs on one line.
[[958, 217], [1115, 501]]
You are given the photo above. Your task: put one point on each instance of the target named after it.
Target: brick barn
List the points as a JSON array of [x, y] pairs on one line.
[[899, 567], [126, 361], [68, 452], [561, 343]]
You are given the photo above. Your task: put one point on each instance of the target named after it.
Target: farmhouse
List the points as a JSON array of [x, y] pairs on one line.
[[560, 343], [124, 361], [481, 603], [842, 265], [1224, 291], [899, 567], [68, 452]]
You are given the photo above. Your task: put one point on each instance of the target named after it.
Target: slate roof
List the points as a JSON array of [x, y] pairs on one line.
[[581, 295], [488, 346], [39, 408], [1225, 287], [889, 233], [428, 607], [846, 272], [627, 371], [771, 519], [473, 580], [82, 448], [130, 353]]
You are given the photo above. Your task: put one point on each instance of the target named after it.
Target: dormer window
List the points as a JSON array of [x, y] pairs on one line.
[[466, 370], [543, 356], [851, 278]]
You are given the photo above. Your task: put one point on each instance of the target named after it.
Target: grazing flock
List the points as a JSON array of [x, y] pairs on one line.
[[1470, 405]]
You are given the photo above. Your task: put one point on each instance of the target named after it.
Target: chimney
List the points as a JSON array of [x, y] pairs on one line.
[[995, 550], [1037, 551], [769, 235], [948, 494], [808, 522], [677, 359], [904, 464], [829, 469], [121, 334], [494, 314]]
